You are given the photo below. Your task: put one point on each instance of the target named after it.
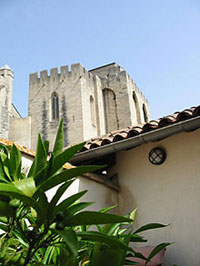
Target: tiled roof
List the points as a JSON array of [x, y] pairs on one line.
[[23, 149], [133, 131], [26, 151]]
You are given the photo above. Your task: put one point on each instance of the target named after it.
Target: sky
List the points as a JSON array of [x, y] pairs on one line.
[[156, 42]]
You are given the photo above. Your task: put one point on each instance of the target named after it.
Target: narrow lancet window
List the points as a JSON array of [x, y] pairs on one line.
[[110, 110], [145, 113], [92, 111], [138, 120], [55, 106]]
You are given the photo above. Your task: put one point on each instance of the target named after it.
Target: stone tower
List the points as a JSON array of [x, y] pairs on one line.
[[91, 102], [6, 107], [70, 94], [124, 104]]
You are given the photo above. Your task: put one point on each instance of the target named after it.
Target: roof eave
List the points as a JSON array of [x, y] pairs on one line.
[[155, 135]]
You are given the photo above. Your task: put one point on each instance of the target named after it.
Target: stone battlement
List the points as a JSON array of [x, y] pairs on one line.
[[58, 75]]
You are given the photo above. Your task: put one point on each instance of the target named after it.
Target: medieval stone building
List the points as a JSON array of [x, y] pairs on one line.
[[92, 103]]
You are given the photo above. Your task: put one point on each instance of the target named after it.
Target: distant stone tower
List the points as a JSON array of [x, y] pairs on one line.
[[124, 104], [91, 102], [68, 94], [6, 107]]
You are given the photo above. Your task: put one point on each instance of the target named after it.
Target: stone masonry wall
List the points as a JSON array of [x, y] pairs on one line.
[[136, 102], [4, 115], [20, 131], [126, 112], [74, 89], [6, 82]]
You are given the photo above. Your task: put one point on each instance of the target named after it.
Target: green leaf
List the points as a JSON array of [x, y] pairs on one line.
[[103, 238], [43, 174], [76, 208], [3, 227], [6, 209], [47, 254], [132, 215], [5, 189], [137, 238], [104, 255], [156, 250], [107, 209], [32, 169], [43, 201], [59, 142], [15, 162], [60, 191], [3, 177], [5, 163], [40, 158], [67, 202], [53, 165], [90, 218], [5, 148], [62, 158], [12, 191], [110, 229], [46, 145], [121, 232], [4, 220], [149, 227], [66, 175], [20, 238], [70, 239], [27, 186]]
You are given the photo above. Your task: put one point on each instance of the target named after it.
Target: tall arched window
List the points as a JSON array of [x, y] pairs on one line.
[[55, 106], [110, 110], [136, 107], [145, 113], [92, 111]]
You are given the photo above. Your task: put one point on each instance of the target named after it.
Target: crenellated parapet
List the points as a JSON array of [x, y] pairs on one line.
[[61, 74]]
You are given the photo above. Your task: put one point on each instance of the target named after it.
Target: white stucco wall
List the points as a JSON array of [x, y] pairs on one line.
[[100, 194], [168, 193], [27, 161]]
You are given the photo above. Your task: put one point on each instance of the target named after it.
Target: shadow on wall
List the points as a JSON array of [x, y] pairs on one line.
[[127, 203]]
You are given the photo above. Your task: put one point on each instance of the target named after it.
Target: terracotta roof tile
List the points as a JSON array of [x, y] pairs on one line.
[[23, 149], [130, 132], [196, 111], [167, 120]]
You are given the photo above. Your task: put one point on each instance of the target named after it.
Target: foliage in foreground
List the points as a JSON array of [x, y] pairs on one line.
[[39, 231]]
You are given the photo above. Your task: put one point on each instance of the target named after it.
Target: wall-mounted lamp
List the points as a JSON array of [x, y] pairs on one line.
[[157, 156]]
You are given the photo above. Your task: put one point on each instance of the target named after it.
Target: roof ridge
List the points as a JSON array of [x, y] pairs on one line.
[[132, 131]]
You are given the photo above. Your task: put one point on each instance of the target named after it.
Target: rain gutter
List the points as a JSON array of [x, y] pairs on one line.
[[154, 135]]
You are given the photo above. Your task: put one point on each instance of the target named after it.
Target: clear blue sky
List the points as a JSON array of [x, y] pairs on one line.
[[156, 41]]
